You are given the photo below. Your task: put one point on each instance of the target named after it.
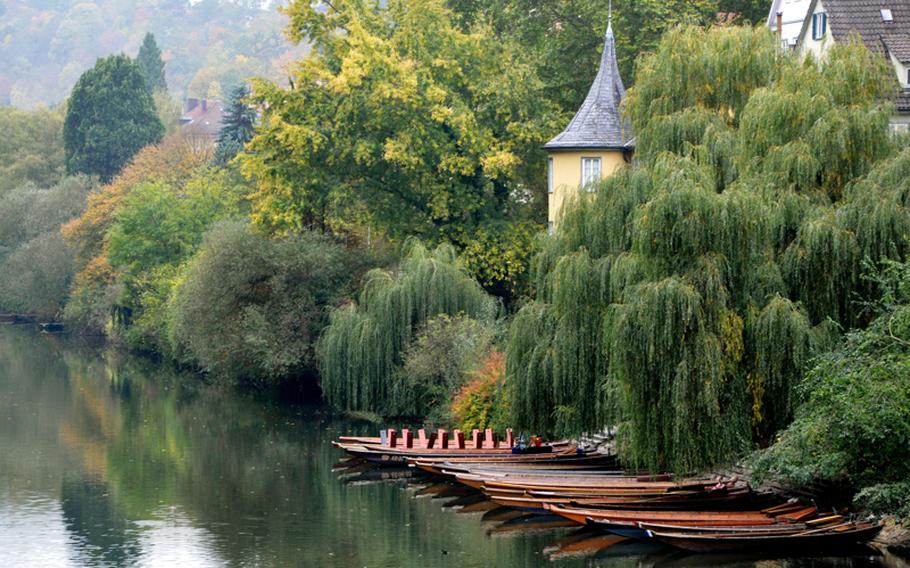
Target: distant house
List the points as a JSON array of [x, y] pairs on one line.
[[882, 25], [792, 14], [201, 120]]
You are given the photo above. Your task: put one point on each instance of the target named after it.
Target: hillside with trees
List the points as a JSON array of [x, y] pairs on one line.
[[208, 47]]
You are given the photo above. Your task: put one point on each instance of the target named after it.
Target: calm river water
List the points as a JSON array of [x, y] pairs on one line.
[[111, 460]]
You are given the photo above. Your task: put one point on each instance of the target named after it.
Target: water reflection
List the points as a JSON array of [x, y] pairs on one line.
[[109, 460]]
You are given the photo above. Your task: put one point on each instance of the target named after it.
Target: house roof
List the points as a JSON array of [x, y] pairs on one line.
[[599, 122], [902, 102], [898, 46], [864, 17], [202, 118]]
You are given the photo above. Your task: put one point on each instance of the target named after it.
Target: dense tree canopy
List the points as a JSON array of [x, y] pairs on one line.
[[173, 163], [250, 307], [363, 349], [36, 267], [31, 148], [684, 300], [854, 426], [563, 38], [400, 119], [149, 60], [110, 116]]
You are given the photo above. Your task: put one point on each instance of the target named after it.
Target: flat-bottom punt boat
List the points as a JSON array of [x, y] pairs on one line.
[[689, 518], [825, 538]]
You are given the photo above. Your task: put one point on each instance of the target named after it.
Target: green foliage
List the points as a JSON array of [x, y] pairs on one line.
[[251, 308], [36, 277], [438, 360], [485, 400], [237, 125], [363, 349], [151, 65], [110, 116], [157, 228], [685, 299], [886, 499], [563, 38], [31, 148], [854, 426], [161, 224], [403, 120], [36, 267]]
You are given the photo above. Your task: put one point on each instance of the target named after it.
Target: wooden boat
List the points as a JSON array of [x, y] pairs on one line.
[[610, 485], [825, 538], [384, 455], [688, 518], [558, 460]]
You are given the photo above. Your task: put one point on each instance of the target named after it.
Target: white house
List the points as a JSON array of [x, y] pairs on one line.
[[882, 25], [792, 14]]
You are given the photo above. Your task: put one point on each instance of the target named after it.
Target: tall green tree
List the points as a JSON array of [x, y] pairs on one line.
[[684, 300], [399, 119], [237, 125], [149, 60], [563, 38], [110, 117]]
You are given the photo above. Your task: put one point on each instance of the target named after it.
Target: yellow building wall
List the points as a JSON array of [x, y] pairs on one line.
[[567, 175]]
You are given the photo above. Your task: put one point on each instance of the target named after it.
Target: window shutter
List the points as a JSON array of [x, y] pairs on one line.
[[814, 26]]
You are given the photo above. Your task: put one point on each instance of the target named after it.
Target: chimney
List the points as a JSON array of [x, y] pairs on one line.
[[204, 105], [191, 104], [780, 27]]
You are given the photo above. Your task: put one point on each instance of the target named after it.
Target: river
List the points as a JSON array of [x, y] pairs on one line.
[[112, 460]]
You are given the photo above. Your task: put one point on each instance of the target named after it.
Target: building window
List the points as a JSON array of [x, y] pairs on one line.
[[590, 172], [819, 25], [549, 175]]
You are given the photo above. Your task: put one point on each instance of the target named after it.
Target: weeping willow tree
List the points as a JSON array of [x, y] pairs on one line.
[[684, 299], [361, 351]]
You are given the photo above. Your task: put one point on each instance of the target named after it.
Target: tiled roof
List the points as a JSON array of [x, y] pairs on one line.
[[902, 102], [864, 17], [203, 119], [599, 122], [898, 46]]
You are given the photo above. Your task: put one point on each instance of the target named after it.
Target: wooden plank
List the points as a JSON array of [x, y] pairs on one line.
[[393, 438]]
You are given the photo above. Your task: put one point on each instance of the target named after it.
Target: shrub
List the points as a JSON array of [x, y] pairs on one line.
[[361, 353], [250, 307], [854, 427], [484, 401], [438, 360], [36, 277]]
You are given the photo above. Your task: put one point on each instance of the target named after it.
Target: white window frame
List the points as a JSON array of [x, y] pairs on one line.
[[550, 187], [590, 178], [819, 25]]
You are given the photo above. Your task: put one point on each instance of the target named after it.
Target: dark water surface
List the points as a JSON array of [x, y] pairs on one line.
[[111, 460]]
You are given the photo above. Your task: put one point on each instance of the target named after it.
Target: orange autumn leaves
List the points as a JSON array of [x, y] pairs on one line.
[[484, 402]]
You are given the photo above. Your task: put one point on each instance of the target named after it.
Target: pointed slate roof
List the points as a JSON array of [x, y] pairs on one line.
[[599, 123]]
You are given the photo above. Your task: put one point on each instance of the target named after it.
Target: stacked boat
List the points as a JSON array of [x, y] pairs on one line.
[[583, 486]]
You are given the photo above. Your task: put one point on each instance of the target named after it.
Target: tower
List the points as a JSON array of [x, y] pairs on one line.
[[596, 141]]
